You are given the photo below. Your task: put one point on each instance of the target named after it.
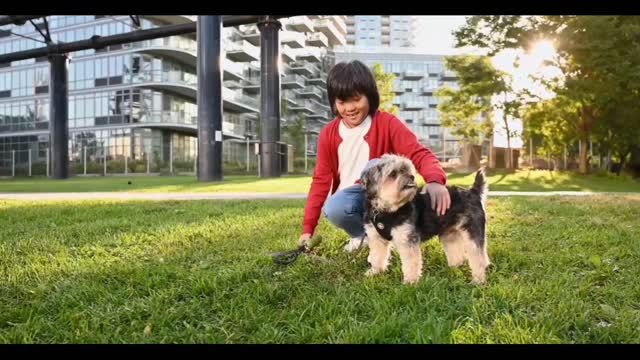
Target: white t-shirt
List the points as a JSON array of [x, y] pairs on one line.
[[353, 152]]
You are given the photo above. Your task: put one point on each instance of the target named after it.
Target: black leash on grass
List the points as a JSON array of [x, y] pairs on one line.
[[289, 257]]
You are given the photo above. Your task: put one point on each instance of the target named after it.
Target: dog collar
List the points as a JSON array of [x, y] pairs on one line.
[[384, 222]]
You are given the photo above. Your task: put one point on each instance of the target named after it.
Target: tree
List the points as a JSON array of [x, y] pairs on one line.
[[599, 57], [385, 89], [460, 109], [553, 121]]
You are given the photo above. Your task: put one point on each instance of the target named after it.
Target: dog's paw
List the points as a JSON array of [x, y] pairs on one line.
[[354, 244], [372, 272], [410, 280]]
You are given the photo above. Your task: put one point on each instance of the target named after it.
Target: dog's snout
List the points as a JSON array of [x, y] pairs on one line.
[[412, 178]]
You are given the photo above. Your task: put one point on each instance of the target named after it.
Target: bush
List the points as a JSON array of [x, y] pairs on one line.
[[182, 166], [139, 168], [39, 168]]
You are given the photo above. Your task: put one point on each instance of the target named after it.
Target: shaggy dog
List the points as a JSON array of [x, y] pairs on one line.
[[397, 215]]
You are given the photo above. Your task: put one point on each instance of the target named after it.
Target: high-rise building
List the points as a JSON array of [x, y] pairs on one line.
[[138, 101], [380, 30]]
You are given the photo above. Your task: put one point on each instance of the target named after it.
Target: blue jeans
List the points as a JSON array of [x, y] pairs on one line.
[[345, 208]]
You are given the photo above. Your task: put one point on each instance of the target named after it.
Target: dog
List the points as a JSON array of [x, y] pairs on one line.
[[398, 215]]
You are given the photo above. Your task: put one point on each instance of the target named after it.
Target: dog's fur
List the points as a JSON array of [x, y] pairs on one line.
[[405, 219]]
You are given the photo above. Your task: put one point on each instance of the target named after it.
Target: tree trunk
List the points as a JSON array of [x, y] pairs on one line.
[[583, 168], [506, 127], [600, 160], [623, 158], [491, 155], [585, 122]]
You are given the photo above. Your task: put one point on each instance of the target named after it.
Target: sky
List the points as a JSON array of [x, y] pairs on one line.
[[434, 34]]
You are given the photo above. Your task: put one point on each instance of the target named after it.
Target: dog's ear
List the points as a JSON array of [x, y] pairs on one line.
[[369, 175]]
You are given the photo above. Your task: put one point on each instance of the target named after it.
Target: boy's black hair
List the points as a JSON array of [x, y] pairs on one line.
[[347, 79]]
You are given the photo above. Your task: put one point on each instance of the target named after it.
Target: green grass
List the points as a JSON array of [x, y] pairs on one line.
[[523, 180], [565, 270]]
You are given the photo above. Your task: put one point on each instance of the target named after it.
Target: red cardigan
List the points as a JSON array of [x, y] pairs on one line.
[[387, 135]]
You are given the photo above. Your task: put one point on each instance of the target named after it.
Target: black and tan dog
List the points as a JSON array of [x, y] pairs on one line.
[[397, 215]]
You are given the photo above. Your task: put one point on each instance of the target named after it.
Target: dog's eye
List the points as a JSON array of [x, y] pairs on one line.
[[393, 174]]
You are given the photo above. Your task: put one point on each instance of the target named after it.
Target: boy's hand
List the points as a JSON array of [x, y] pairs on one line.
[[304, 238], [440, 199]]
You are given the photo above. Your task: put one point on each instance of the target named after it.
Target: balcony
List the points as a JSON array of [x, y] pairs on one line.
[[242, 51], [294, 40], [322, 116], [302, 68], [234, 125], [448, 75], [319, 78], [317, 39], [251, 86], [413, 75], [287, 55], [321, 105], [232, 84], [310, 55], [177, 82], [290, 100], [328, 28], [414, 105], [350, 20], [235, 101], [386, 20], [351, 39], [252, 35], [398, 88], [428, 90], [303, 106], [310, 92], [299, 23], [340, 23], [293, 82], [178, 48], [232, 70], [321, 112], [232, 34]]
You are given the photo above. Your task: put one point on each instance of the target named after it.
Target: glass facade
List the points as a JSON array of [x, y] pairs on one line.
[[138, 101]]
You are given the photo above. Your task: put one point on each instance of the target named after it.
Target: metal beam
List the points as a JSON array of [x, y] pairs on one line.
[[97, 42], [58, 115], [269, 97], [209, 37], [17, 19]]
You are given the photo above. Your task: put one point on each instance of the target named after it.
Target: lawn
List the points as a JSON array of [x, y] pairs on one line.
[[523, 180], [565, 271]]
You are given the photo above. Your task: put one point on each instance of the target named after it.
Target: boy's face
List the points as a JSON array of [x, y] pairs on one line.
[[353, 110]]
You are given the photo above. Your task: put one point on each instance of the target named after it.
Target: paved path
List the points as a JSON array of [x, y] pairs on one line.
[[239, 196]]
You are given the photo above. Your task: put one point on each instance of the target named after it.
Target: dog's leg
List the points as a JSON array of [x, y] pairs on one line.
[[407, 242], [477, 256], [379, 251], [452, 242]]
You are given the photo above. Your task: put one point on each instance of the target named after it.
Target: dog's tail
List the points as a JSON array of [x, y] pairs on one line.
[[480, 185]]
